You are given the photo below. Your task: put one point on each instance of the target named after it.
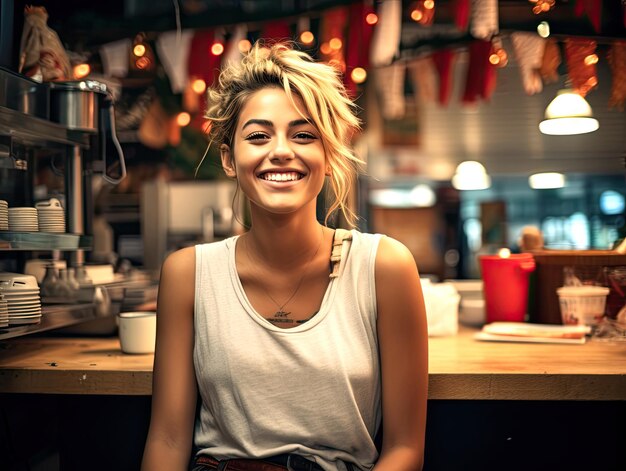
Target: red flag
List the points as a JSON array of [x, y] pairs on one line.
[[593, 9], [481, 74], [443, 60]]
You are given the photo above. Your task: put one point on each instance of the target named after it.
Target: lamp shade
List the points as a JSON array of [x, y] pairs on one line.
[[471, 175], [546, 180], [569, 113]]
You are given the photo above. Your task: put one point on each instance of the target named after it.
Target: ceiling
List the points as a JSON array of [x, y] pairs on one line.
[[502, 134]]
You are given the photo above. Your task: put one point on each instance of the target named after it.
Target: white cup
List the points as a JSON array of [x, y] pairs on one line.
[[137, 331]]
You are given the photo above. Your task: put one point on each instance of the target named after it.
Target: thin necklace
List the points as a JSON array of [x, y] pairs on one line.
[[280, 315]]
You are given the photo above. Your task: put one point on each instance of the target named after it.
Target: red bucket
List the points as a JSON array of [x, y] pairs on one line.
[[505, 286]]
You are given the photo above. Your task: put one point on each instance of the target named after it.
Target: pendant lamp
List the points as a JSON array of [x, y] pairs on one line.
[[568, 114]]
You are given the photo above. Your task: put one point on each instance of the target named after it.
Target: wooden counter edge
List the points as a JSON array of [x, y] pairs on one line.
[[527, 387], [127, 383], [442, 386]]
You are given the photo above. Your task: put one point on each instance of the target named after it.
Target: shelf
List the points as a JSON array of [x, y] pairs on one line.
[[54, 317], [10, 240], [39, 132]]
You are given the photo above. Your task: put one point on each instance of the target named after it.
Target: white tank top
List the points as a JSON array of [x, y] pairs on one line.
[[313, 389]]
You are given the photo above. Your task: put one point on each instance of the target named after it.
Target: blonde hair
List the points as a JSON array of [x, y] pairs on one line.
[[320, 88]]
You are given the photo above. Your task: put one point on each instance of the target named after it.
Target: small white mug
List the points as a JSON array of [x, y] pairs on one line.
[[137, 331]]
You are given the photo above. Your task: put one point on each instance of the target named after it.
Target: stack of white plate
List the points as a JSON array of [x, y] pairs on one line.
[[4, 312], [23, 219], [21, 292], [51, 216], [4, 215]]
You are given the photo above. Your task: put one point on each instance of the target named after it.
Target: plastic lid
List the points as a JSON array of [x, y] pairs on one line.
[[582, 291]]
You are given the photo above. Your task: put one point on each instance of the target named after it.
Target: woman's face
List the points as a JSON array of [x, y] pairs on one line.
[[277, 155]]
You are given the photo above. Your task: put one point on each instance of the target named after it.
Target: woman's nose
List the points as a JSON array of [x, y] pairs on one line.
[[282, 150]]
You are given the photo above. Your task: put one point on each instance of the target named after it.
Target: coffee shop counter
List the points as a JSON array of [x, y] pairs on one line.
[[461, 368]]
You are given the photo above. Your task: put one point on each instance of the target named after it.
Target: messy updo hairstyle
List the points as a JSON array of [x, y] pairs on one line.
[[322, 92]]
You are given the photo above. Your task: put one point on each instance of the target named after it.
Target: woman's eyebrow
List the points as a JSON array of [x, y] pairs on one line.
[[261, 122], [265, 122]]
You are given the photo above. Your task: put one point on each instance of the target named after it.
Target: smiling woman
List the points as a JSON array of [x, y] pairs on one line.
[[295, 338]]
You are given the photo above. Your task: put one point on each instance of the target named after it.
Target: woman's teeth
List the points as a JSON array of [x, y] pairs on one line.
[[281, 177]]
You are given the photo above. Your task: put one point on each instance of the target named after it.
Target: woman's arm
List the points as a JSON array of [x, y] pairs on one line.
[[403, 343], [169, 441]]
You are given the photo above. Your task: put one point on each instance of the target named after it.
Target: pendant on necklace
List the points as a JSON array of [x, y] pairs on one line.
[[281, 313]]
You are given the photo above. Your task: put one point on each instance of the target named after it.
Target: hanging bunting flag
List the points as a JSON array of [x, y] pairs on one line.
[[484, 22], [481, 74], [359, 37], [581, 58], [461, 14], [424, 78], [173, 52], [203, 63], [278, 30], [529, 50], [550, 62], [390, 86], [593, 10], [332, 37], [617, 62], [443, 60], [386, 38], [115, 58], [236, 46]]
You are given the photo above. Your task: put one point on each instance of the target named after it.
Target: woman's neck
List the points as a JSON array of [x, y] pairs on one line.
[[283, 241]]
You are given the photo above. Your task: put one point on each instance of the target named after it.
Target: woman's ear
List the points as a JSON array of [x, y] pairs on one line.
[[228, 163]]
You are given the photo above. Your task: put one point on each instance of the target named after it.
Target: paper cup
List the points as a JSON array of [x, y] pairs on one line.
[[582, 304], [137, 331]]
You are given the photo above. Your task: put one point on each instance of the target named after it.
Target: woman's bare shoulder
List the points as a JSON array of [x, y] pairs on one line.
[[393, 257], [181, 261], [178, 276]]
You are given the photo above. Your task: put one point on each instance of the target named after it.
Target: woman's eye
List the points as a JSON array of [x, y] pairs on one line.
[[255, 136], [305, 135]]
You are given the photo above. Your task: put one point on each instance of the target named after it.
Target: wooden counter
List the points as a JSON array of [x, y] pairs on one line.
[[461, 368]]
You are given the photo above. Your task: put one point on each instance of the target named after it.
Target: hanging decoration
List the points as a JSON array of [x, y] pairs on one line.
[[173, 51], [529, 50], [114, 57], [278, 30], [424, 78], [481, 74], [386, 38], [202, 64], [592, 9], [484, 23], [550, 62], [362, 40], [617, 62], [581, 58], [357, 51], [237, 44], [332, 37], [461, 14], [443, 60], [390, 86]]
